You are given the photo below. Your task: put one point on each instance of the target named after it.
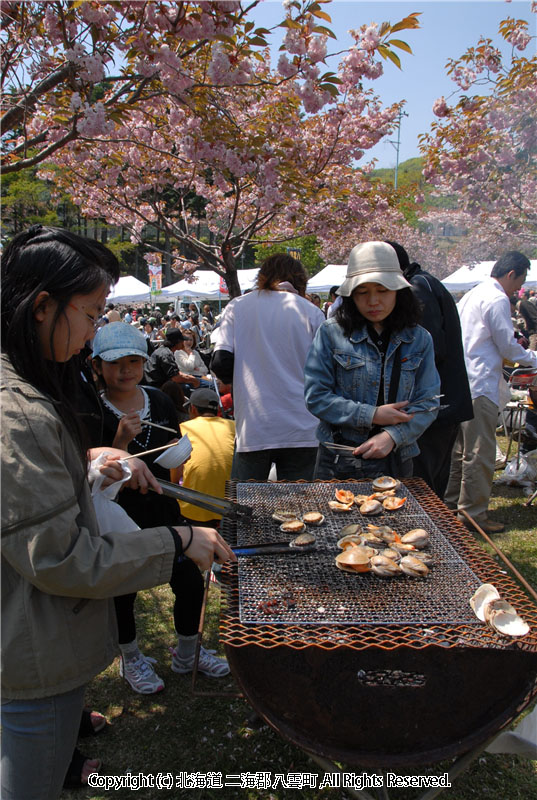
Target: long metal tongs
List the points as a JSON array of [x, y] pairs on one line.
[[218, 505]]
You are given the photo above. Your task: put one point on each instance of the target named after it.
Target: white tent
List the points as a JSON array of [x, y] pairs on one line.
[[466, 278], [207, 285], [129, 290], [331, 275]]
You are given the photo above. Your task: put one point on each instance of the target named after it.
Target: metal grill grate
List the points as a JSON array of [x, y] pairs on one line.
[[304, 599], [309, 589]]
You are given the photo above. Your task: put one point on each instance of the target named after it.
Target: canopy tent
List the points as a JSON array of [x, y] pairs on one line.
[[466, 278], [331, 275], [129, 290], [207, 285]]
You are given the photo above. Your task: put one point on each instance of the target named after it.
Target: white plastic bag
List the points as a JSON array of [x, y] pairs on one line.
[[110, 515], [524, 474]]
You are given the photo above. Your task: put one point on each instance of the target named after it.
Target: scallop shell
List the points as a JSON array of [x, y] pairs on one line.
[[293, 526], [352, 561], [393, 503], [280, 515], [384, 566], [417, 537], [384, 482], [344, 496], [351, 540], [414, 567], [302, 540], [370, 507], [482, 597], [335, 506], [313, 518]]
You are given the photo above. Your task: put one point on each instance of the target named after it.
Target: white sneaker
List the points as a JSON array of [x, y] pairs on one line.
[[208, 664], [140, 674]]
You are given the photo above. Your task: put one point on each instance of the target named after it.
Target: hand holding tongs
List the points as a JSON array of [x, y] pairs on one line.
[[218, 505], [273, 548]]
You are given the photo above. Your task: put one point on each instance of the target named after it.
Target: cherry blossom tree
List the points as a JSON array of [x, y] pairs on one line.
[[483, 149], [270, 156]]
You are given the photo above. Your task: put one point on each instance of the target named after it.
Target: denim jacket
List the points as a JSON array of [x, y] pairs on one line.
[[342, 378]]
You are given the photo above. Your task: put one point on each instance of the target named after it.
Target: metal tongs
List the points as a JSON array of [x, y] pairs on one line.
[[273, 548], [218, 505]]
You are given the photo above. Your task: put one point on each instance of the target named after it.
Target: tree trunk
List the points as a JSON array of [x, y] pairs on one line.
[[232, 280]]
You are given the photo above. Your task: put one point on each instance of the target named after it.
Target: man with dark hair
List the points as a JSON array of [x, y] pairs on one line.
[[488, 339], [439, 316], [261, 348], [162, 366]]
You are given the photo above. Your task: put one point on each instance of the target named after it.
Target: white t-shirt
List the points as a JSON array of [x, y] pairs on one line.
[[270, 334], [488, 338]]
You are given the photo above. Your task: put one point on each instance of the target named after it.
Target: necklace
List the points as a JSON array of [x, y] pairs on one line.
[[145, 413]]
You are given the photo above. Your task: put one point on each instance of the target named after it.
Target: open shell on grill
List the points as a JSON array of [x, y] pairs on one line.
[[384, 482], [482, 597], [351, 540], [344, 496], [293, 526], [351, 560], [414, 567], [360, 498], [370, 508], [391, 554], [384, 566], [422, 555], [334, 505], [351, 530], [372, 539], [393, 503], [281, 515], [313, 518], [503, 618]]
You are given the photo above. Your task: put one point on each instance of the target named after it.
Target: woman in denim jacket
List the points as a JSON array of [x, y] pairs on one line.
[[351, 381]]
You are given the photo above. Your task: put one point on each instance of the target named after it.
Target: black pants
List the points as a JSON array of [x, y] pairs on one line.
[[433, 462], [187, 586]]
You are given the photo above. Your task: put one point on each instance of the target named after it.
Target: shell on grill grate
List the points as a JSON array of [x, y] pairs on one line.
[[293, 526], [302, 540], [344, 496], [414, 567], [281, 515], [482, 597], [392, 554], [371, 507], [393, 503], [384, 482], [313, 518], [418, 537], [384, 566], [351, 540], [351, 530], [351, 560], [334, 505]]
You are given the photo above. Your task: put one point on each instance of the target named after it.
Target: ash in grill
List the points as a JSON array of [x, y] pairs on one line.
[[307, 588]]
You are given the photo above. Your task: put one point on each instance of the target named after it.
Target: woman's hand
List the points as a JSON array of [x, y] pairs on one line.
[[130, 425], [379, 446], [142, 478], [391, 414], [207, 546]]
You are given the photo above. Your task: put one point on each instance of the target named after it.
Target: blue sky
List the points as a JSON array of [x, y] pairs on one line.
[[447, 30]]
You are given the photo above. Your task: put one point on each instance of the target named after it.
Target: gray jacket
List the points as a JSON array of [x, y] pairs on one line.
[[58, 573]]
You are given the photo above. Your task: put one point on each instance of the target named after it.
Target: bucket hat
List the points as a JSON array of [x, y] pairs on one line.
[[119, 339], [373, 262]]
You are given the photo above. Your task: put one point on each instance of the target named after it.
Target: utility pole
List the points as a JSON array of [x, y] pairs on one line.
[[397, 145]]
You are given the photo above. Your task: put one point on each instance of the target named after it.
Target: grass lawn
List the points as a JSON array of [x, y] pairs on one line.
[[175, 732]]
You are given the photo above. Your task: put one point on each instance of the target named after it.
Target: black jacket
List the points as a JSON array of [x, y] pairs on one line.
[[441, 318]]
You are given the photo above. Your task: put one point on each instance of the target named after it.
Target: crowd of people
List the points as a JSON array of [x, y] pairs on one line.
[[388, 368]]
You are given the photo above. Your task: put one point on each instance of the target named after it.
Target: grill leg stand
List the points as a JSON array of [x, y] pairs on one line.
[[458, 767], [329, 766]]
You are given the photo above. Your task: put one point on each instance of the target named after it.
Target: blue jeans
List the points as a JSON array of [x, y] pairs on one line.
[[331, 465], [292, 464], [38, 739]]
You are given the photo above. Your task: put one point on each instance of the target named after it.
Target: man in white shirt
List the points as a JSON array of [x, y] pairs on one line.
[[261, 346], [488, 339]]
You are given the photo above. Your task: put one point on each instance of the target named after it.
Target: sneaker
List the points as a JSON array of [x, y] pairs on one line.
[[208, 664], [140, 674]]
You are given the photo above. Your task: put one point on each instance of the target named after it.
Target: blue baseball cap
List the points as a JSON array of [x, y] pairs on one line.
[[119, 339]]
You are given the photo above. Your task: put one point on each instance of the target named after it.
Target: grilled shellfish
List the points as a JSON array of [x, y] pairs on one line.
[[344, 496], [370, 508], [351, 560], [393, 503], [384, 566], [414, 567], [418, 537], [302, 540], [384, 482], [313, 518], [335, 506], [280, 515], [293, 526]]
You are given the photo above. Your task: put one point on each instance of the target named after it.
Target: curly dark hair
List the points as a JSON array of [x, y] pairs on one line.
[[282, 267], [406, 314]]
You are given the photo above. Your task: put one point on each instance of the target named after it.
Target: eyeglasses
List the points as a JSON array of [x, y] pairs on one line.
[[92, 320]]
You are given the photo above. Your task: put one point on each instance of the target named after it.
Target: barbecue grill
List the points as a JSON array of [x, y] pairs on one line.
[[374, 671]]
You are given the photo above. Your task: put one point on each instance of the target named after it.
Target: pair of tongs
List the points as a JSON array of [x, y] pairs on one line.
[[273, 548], [218, 505]]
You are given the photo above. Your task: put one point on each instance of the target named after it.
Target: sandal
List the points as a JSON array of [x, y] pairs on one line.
[[91, 723], [74, 778]]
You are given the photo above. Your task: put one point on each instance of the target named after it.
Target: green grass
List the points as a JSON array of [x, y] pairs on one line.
[[176, 732]]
